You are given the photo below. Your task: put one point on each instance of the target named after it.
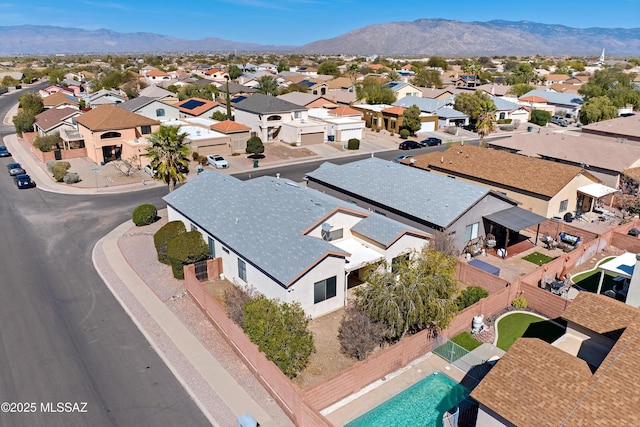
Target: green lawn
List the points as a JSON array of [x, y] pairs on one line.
[[516, 325], [588, 280], [538, 258], [467, 341]]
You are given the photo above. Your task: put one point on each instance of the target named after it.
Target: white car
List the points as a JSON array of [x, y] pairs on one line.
[[217, 161]]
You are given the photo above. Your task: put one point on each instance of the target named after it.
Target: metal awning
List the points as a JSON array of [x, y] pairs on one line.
[[360, 254], [596, 190], [515, 218]]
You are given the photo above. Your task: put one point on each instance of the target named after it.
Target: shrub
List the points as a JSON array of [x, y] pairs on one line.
[[280, 332], [46, 143], [195, 156], [540, 117], [235, 300], [71, 178], [353, 144], [164, 235], [49, 164], [404, 133], [144, 215], [254, 145], [507, 128], [470, 296], [59, 170], [358, 334], [185, 249], [519, 303], [504, 121]]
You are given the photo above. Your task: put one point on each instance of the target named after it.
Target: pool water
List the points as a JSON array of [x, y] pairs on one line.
[[422, 404]]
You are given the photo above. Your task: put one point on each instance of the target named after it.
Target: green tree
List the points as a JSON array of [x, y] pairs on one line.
[[352, 71], [427, 78], [474, 70], [56, 75], [522, 72], [208, 92], [234, 72], [31, 102], [613, 83], [520, 89], [414, 294], [598, 109], [23, 122], [486, 121], [267, 85], [373, 92], [8, 81], [393, 76], [470, 296], [474, 104], [438, 62], [169, 155], [411, 119], [255, 145], [46, 143], [280, 332], [184, 249], [328, 68], [219, 116], [540, 117]]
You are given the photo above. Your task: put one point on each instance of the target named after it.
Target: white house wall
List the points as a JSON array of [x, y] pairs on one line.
[[301, 291], [150, 110]]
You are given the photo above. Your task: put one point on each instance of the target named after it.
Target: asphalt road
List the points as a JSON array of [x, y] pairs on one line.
[[66, 344]]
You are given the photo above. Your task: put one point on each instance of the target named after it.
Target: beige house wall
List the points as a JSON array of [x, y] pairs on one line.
[[93, 143]]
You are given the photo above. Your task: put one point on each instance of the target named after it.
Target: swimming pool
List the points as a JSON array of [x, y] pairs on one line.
[[422, 404]]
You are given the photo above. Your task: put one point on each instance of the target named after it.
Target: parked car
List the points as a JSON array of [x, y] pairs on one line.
[[401, 158], [217, 161], [15, 169], [470, 127], [559, 120], [430, 142], [152, 172], [408, 145], [24, 181], [4, 151]]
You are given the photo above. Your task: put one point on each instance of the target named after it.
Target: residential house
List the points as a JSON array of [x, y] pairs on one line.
[[567, 102], [506, 110], [198, 107], [155, 76], [437, 94], [426, 201], [343, 123], [402, 89], [442, 109], [216, 75], [547, 188], [237, 133], [265, 66], [340, 84], [570, 381], [202, 139], [286, 241], [61, 100], [551, 79], [160, 94], [111, 133], [104, 97], [55, 119], [274, 119], [50, 90], [307, 100], [607, 160], [390, 117], [624, 129], [151, 108]]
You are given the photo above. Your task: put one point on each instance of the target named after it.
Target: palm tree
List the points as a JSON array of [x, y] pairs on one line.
[[267, 85], [169, 155], [473, 69], [486, 120]]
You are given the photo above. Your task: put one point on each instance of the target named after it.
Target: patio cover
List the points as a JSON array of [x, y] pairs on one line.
[[484, 266], [515, 218], [361, 254], [596, 190], [622, 265]]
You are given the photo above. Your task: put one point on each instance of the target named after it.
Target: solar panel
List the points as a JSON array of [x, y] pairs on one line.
[[191, 104]]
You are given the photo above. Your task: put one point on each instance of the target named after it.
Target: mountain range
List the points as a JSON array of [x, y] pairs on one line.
[[421, 37]]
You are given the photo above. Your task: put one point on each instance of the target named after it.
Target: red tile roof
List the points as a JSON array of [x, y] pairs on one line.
[[158, 73], [229, 126], [345, 111], [398, 111]]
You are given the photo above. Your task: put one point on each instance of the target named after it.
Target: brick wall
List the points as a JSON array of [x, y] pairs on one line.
[[76, 153]]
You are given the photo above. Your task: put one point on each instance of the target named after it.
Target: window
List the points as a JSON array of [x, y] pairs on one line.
[[297, 114], [324, 289], [160, 112], [108, 135], [146, 130], [242, 270], [471, 231], [502, 116], [225, 250], [564, 205], [212, 247]]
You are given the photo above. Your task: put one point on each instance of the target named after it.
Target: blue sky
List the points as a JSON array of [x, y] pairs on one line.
[[297, 22]]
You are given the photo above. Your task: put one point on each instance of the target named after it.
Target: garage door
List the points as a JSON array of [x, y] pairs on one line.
[[222, 149], [427, 127], [312, 138]]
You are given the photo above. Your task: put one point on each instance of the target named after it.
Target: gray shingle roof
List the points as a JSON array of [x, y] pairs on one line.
[[426, 105], [263, 220], [433, 198], [557, 97], [135, 103], [265, 104]]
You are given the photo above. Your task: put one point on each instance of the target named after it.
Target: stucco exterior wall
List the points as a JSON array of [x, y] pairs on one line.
[[150, 111]]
